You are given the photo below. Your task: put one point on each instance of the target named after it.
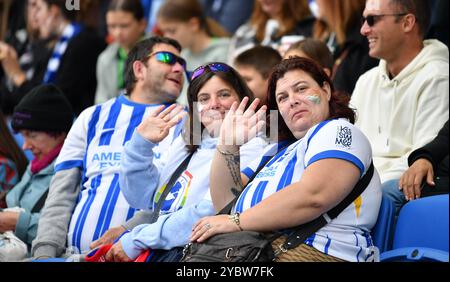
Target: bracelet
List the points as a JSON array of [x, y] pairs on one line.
[[235, 218], [227, 153]]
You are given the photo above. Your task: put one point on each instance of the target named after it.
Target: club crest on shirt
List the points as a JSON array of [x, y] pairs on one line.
[[344, 137]]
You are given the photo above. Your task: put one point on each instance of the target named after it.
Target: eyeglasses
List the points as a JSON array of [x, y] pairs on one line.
[[168, 58], [373, 19], [214, 67]]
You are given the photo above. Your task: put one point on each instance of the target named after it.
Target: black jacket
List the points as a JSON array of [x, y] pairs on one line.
[[76, 75], [436, 152], [355, 62]]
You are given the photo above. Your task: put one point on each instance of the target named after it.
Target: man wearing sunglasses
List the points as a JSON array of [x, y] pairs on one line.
[[85, 199], [403, 103]]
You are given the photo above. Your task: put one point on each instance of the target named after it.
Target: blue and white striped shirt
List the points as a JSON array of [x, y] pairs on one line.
[[95, 145]]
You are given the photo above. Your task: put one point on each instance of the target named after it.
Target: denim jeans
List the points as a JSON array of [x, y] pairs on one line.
[[390, 189]]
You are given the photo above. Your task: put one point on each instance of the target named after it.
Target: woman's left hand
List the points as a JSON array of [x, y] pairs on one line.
[[8, 221], [212, 225]]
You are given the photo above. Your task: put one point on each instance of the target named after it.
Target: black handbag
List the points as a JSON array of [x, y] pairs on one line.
[[243, 246], [250, 246]]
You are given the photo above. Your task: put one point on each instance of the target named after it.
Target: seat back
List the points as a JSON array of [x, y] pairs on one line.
[[423, 223], [383, 230]]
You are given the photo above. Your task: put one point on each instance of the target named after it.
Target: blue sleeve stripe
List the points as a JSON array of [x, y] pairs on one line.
[[319, 127], [334, 154], [248, 172], [69, 165]]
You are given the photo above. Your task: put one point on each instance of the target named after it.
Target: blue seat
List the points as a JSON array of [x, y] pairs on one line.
[[383, 230], [422, 232]]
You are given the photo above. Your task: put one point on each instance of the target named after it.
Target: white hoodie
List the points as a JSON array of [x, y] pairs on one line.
[[405, 113]]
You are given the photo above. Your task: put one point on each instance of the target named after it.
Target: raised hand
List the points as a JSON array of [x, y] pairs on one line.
[[240, 125], [157, 125]]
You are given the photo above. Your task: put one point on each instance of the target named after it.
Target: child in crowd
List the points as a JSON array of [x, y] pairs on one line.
[[255, 70], [126, 25]]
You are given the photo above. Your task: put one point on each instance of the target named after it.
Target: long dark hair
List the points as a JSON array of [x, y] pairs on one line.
[[339, 102], [230, 77], [9, 148]]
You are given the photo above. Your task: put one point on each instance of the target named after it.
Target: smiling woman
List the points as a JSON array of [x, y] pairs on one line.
[[327, 157], [185, 177]]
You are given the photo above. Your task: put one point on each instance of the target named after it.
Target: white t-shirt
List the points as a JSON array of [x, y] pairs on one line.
[[95, 145], [348, 235]]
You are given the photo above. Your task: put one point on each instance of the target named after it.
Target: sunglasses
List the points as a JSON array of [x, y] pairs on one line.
[[214, 67], [373, 19], [168, 58]]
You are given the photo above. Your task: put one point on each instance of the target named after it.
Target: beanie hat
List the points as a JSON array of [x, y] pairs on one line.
[[44, 108]]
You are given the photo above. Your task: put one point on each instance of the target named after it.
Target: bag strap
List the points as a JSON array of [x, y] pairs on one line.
[[169, 186], [302, 232], [227, 209], [40, 203]]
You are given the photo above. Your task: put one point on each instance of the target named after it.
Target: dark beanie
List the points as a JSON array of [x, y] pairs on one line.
[[44, 108]]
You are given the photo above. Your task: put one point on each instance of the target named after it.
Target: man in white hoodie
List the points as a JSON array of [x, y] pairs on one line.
[[402, 103]]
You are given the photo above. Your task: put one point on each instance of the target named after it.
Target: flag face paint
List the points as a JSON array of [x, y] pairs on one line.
[[315, 99]]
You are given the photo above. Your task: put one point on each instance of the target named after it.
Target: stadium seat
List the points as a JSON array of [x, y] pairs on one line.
[[421, 233], [384, 228]]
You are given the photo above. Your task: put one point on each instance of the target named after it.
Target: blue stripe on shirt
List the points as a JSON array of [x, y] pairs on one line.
[[259, 192], [248, 172], [110, 124], [130, 214], [327, 245], [136, 119], [92, 125], [240, 203], [78, 230], [286, 178], [104, 219], [335, 154]]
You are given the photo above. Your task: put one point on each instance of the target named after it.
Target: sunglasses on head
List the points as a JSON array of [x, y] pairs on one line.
[[373, 19], [214, 67], [168, 58]]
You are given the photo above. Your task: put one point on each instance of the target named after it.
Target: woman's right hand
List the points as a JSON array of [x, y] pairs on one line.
[[157, 125], [240, 125]]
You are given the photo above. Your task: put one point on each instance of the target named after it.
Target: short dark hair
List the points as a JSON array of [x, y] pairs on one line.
[[339, 102], [316, 50], [70, 15], [261, 58], [139, 53], [421, 9], [230, 77]]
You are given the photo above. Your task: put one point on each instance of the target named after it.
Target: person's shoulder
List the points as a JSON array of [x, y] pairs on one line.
[[89, 39], [109, 54]]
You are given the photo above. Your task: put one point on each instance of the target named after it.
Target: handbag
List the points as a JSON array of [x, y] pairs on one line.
[[250, 246], [243, 246]]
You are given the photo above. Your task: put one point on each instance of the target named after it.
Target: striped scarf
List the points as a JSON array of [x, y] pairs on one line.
[[55, 61]]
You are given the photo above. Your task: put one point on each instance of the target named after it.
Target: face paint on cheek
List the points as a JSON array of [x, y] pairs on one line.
[[315, 99]]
